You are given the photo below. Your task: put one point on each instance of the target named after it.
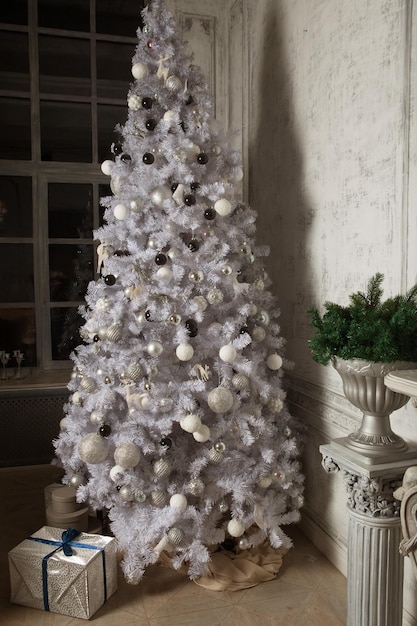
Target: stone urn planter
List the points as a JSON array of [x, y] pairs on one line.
[[363, 386]]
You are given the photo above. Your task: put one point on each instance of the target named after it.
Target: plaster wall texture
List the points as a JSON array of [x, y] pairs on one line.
[[332, 173]]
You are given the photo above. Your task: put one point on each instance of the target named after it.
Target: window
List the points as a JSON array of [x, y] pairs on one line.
[[62, 91]]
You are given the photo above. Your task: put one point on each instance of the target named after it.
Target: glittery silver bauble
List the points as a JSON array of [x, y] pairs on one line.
[[175, 319], [223, 507], [154, 348], [173, 253], [127, 455], [173, 83], [175, 536], [220, 446], [88, 384], [180, 155], [77, 480], [134, 372], [214, 456], [126, 493], [93, 449], [196, 276], [240, 381], [162, 468], [160, 194], [220, 400], [158, 497], [140, 496], [200, 302], [114, 332], [196, 487], [214, 296], [152, 243], [215, 329], [96, 418]]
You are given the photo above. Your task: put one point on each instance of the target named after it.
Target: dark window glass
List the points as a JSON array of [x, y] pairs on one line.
[[15, 206], [70, 212], [66, 132], [64, 65], [16, 277], [17, 332], [15, 12], [15, 129], [70, 270], [108, 117], [65, 335], [14, 61], [124, 21], [114, 61], [64, 14]]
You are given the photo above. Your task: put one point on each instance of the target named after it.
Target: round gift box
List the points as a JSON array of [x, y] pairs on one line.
[[76, 519], [63, 500]]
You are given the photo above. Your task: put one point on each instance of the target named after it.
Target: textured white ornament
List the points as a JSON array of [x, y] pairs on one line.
[[215, 329], [107, 167], [103, 304], [190, 423], [134, 102], [139, 70], [76, 398], [154, 348], [228, 353], [274, 362], [96, 418], [173, 84], [178, 501], [160, 194], [200, 302], [196, 487], [116, 473], [174, 253], [184, 352], [235, 528], [202, 434], [164, 274], [162, 468], [170, 117], [214, 296], [121, 212], [93, 449], [136, 205], [127, 455], [275, 404], [220, 400], [222, 207]]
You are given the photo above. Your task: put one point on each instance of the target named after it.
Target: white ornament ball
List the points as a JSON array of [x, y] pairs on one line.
[[134, 102], [235, 528], [220, 400], [116, 473], [107, 167], [127, 455], [184, 352], [222, 207], [173, 253], [76, 398], [139, 70], [190, 423], [115, 185], [136, 205], [121, 212], [126, 494], [178, 501], [274, 362], [170, 117], [164, 274], [202, 434], [93, 449], [200, 302], [154, 348], [160, 194], [96, 418], [214, 296], [63, 424], [227, 353], [103, 304], [77, 480]]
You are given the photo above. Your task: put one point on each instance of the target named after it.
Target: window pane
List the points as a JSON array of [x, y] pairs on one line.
[[64, 65], [70, 270], [15, 206], [107, 118], [70, 212], [65, 14], [66, 132], [15, 128], [65, 336], [16, 276], [14, 67], [15, 12], [18, 332], [123, 21], [114, 61]]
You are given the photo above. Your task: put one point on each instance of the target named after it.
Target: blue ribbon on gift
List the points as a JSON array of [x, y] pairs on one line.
[[66, 545]]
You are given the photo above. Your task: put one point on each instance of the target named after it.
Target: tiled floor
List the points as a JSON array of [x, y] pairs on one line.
[[308, 590]]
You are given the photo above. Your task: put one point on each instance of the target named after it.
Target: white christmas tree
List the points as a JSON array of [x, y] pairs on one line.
[[176, 422]]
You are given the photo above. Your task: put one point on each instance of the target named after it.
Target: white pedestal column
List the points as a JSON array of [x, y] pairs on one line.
[[375, 566]]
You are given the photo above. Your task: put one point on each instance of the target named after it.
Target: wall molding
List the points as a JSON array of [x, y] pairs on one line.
[[323, 537]]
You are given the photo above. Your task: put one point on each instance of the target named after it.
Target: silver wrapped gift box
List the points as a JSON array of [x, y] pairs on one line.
[[63, 571]]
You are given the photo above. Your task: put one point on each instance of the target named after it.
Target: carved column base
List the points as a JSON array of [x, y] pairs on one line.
[[375, 566]]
